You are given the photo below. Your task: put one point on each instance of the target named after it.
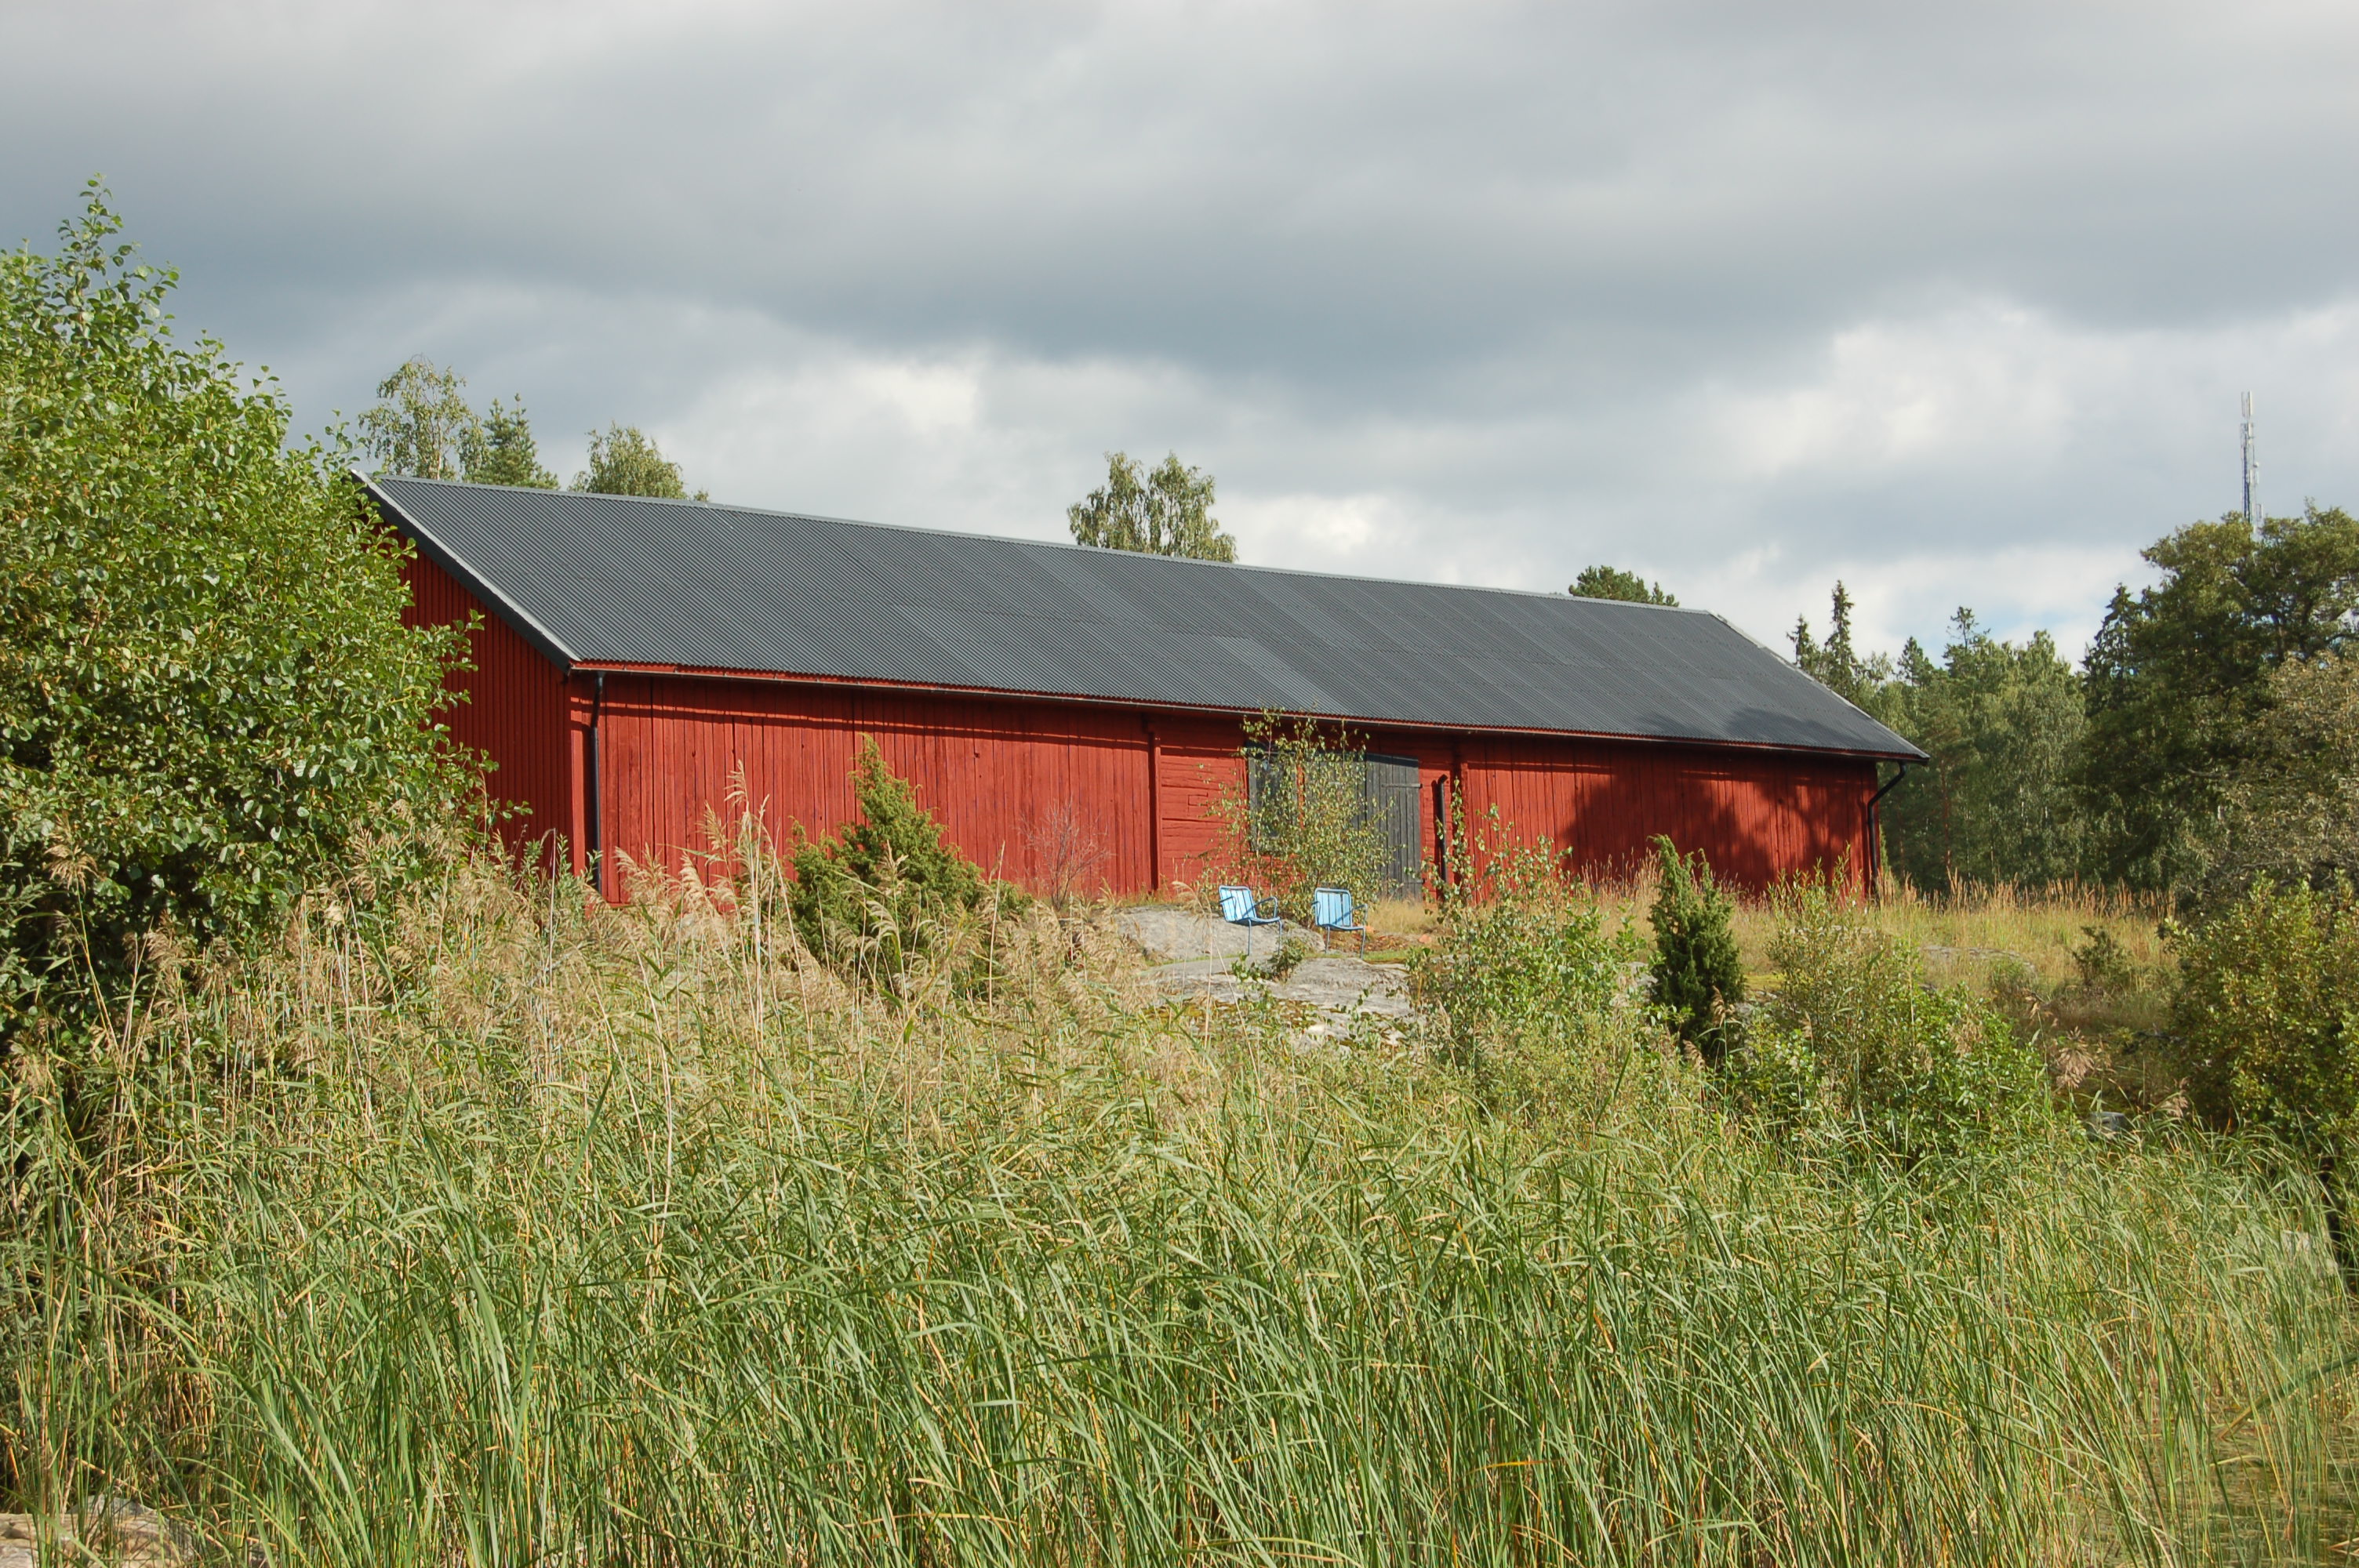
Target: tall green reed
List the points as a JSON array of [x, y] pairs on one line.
[[514, 1230]]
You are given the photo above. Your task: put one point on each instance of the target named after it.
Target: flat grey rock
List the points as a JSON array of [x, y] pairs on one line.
[[1170, 934], [1333, 983], [1952, 954]]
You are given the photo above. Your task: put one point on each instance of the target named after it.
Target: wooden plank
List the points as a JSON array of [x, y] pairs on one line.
[[516, 712]]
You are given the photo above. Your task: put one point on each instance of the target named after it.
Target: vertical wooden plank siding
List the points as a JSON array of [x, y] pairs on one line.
[[1009, 779], [1757, 815], [1001, 775], [1201, 763], [518, 711]]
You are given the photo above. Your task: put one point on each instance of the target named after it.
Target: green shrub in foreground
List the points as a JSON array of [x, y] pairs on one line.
[[207, 697], [1855, 1044], [1525, 979], [2268, 1021]]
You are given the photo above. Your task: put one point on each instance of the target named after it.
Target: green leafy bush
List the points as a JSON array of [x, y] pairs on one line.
[[2102, 963], [1698, 975], [1276, 963], [875, 897], [1855, 1044], [2266, 1017], [1528, 967], [1303, 821], [207, 697], [2290, 807]]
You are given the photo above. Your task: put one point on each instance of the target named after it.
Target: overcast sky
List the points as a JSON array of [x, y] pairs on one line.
[[1953, 302]]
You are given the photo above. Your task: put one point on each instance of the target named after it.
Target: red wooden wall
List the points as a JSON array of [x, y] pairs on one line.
[[1011, 781], [518, 711], [1756, 814], [1123, 797], [1007, 780]]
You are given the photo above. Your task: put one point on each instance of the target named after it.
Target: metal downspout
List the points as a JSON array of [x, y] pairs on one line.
[[595, 860], [1876, 832]]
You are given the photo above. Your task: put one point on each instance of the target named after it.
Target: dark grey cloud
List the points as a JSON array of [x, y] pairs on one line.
[[1954, 301]]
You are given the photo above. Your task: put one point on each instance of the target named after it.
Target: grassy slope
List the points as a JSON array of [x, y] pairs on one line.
[[520, 1235]]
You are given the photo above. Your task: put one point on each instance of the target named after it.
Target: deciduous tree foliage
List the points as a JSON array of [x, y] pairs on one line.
[[625, 460], [421, 426], [2290, 814], [1303, 821], [2003, 724], [2205, 743], [1856, 1047], [2267, 1033], [1165, 513], [2178, 675], [206, 692]]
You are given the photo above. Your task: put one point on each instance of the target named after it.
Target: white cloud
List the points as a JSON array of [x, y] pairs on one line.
[[1994, 382], [1971, 386], [1952, 302]]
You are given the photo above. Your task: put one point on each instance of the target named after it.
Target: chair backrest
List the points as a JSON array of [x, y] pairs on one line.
[[1332, 907], [1236, 903]]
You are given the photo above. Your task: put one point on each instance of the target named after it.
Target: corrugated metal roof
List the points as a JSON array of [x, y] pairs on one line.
[[610, 579]]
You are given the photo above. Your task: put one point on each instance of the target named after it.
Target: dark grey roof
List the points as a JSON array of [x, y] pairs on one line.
[[606, 580]]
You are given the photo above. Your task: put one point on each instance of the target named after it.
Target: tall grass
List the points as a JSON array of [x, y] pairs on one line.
[[501, 1229], [1970, 928]]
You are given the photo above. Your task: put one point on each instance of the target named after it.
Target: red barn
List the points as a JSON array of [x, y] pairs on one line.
[[635, 655]]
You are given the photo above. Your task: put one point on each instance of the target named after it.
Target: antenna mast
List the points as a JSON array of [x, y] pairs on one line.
[[2252, 468]]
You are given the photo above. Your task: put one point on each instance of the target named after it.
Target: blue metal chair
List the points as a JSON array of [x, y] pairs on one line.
[[1331, 910], [1240, 907]]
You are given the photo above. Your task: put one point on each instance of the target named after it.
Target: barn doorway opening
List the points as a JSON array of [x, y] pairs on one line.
[[1390, 803], [1393, 811]]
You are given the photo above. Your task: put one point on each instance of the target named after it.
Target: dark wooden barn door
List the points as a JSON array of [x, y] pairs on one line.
[[1393, 810]]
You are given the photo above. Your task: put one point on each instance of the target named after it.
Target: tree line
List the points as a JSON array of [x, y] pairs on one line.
[[423, 426], [2207, 740]]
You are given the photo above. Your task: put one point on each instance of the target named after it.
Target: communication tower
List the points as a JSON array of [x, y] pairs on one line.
[[2252, 468]]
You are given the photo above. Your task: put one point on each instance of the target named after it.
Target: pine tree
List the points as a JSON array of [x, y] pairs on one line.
[[1698, 975], [1613, 582], [886, 882], [1835, 663], [501, 450]]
